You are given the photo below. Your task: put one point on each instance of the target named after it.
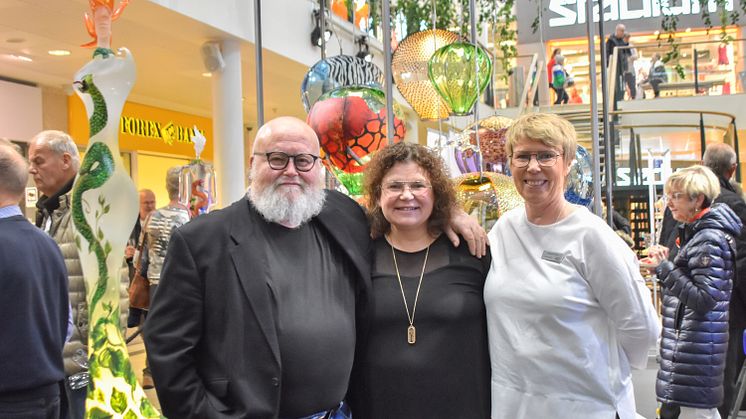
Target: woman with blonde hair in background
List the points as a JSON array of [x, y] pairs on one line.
[[696, 289]]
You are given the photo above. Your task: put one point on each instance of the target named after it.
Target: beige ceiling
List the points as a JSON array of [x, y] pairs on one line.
[[165, 45]]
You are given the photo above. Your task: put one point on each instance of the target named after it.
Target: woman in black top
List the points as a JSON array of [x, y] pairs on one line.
[[425, 353]]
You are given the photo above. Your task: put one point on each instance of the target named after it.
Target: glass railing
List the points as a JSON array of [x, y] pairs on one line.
[[705, 68]]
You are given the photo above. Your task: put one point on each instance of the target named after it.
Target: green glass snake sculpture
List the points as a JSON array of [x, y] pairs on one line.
[[113, 390]]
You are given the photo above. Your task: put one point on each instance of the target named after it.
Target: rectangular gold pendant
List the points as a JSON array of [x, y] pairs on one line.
[[411, 335]]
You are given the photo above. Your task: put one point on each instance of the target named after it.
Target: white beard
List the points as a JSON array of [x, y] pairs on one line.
[[277, 207]]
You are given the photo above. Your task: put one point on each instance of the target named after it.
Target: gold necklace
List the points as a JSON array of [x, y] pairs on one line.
[[411, 331]]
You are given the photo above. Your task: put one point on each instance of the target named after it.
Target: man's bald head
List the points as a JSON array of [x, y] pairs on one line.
[[620, 29], [284, 127], [13, 175], [721, 159]]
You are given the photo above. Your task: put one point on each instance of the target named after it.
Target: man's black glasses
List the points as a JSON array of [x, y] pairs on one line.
[[278, 160]]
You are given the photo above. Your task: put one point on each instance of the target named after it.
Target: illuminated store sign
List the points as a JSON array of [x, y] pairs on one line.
[[169, 132], [573, 12]]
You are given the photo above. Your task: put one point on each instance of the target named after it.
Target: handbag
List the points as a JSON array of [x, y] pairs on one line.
[[139, 292]]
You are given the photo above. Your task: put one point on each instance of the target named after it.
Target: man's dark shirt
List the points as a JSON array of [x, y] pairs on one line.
[[315, 311]]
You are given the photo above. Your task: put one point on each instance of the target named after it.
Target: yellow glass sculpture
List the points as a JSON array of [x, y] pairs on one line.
[[409, 66], [487, 197]]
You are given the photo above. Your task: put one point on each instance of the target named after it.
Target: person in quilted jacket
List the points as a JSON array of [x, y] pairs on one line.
[[696, 287]]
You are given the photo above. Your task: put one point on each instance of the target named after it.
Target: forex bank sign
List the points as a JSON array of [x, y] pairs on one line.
[[563, 19], [573, 12]]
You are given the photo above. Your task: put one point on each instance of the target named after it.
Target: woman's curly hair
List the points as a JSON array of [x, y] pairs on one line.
[[444, 196]]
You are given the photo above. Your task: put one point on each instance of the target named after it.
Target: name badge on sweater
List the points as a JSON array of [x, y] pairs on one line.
[[553, 256]]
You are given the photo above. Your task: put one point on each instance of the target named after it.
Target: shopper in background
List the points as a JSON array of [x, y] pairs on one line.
[[33, 304], [559, 80], [617, 40], [256, 308], [157, 230], [629, 75], [54, 162], [568, 313], [696, 289], [575, 98], [426, 298], [550, 66], [147, 205], [657, 74]]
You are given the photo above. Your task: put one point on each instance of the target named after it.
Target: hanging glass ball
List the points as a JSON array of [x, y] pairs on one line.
[[351, 125], [409, 67], [487, 198], [492, 143], [454, 75], [580, 179], [335, 72]]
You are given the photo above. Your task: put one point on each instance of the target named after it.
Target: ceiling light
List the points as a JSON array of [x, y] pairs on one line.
[[17, 57], [15, 40], [206, 74], [58, 52]]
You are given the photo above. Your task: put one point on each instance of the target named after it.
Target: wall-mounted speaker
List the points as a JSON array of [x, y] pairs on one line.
[[211, 57]]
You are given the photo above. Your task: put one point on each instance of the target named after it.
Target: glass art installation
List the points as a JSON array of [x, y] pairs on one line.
[[454, 75], [487, 197], [491, 148], [579, 188], [197, 183], [409, 66], [104, 203], [335, 72], [351, 125]]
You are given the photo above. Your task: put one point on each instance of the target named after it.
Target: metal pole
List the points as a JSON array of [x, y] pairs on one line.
[[735, 147], [386, 26], [702, 136], [608, 148], [594, 111], [258, 57], [696, 75], [322, 27], [473, 22]]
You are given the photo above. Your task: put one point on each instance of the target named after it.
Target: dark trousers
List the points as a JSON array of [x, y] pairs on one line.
[[669, 411], [631, 82], [733, 361], [656, 90], [562, 96], [73, 402], [31, 405]]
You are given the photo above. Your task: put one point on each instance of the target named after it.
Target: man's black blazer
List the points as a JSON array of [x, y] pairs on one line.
[[210, 334]]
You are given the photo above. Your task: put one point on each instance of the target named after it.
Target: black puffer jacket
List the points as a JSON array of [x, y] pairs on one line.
[[696, 293]]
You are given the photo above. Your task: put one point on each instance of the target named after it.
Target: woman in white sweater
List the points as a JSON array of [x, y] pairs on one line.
[[568, 313]]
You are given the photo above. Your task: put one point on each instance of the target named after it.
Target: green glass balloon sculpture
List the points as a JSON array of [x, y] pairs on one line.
[[454, 75]]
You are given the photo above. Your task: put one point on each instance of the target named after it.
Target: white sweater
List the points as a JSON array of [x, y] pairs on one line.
[[567, 315]]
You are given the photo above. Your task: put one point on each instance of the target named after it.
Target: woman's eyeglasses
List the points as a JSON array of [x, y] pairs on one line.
[[675, 196], [544, 158], [278, 160], [398, 187]]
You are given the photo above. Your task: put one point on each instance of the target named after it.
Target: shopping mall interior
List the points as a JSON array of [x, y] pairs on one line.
[[198, 69]]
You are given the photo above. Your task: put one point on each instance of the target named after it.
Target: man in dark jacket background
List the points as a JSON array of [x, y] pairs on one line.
[[33, 304], [721, 158]]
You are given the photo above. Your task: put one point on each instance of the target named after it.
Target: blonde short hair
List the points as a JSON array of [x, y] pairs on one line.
[[548, 128], [694, 181]]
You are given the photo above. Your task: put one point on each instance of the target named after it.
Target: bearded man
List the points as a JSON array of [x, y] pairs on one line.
[[259, 303]]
